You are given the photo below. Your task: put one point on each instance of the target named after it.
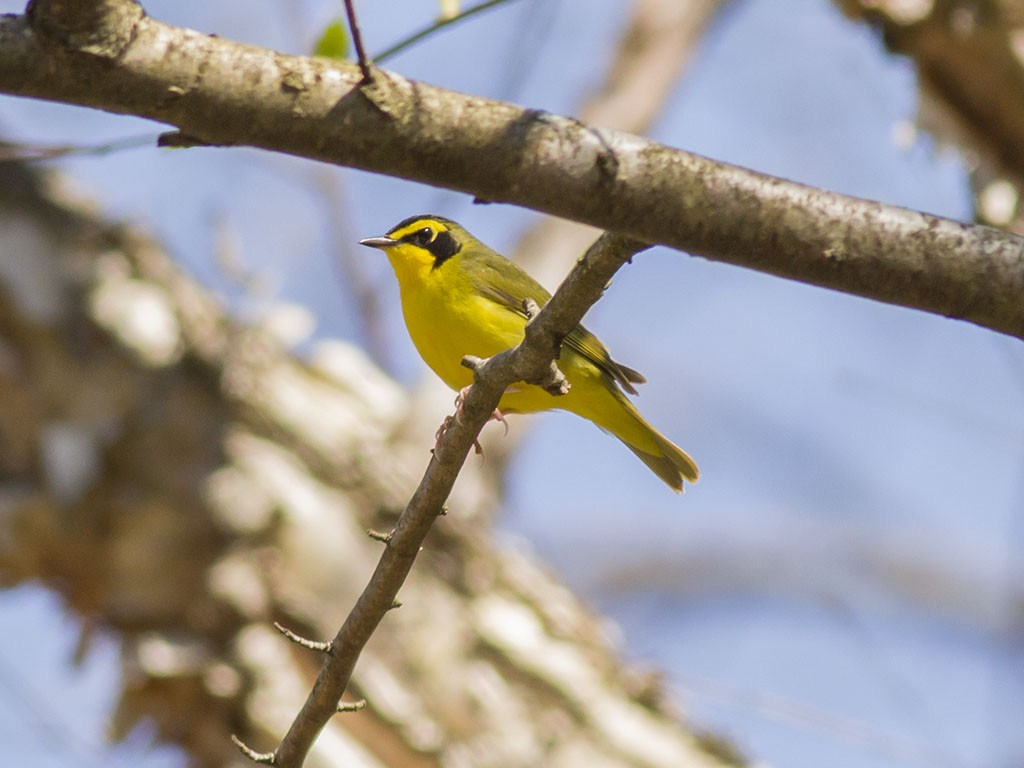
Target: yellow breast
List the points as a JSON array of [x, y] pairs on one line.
[[447, 320]]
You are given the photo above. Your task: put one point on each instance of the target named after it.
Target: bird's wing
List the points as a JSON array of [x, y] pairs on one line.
[[587, 344], [491, 270]]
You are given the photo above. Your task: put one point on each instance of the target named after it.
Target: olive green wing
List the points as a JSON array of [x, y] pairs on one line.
[[588, 345], [501, 281]]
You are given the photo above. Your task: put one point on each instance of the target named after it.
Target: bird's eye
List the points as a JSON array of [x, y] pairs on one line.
[[423, 236]]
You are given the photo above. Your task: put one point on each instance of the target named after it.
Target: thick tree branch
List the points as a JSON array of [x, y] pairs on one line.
[[531, 362], [654, 49], [220, 92], [100, 28]]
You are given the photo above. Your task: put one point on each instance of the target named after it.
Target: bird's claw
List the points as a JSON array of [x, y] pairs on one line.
[[497, 415], [460, 398], [477, 448], [441, 430]]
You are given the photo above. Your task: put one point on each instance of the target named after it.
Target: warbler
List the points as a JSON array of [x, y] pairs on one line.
[[460, 297]]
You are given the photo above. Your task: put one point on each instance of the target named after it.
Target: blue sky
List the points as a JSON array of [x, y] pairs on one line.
[[840, 439]]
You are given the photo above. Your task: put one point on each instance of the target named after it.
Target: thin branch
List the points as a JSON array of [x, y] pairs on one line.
[[323, 110], [21, 152], [263, 758], [311, 645], [357, 40], [437, 26], [380, 536], [530, 361]]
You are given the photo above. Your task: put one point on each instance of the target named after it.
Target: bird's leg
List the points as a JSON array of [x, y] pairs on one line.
[[460, 398], [497, 415], [477, 448], [475, 364], [444, 428]]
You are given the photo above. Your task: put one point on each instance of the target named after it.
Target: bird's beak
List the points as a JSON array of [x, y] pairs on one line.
[[379, 242]]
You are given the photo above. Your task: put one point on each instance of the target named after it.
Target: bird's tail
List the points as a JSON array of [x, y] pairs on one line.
[[666, 459], [671, 463]]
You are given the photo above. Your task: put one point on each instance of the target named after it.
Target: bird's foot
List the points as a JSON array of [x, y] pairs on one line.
[[497, 415], [440, 431], [460, 398], [477, 448]]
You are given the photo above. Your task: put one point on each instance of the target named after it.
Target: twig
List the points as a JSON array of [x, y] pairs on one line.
[[530, 362], [263, 758], [34, 152], [357, 40], [440, 24], [312, 645]]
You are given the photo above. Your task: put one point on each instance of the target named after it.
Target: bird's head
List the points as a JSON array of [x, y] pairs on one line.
[[421, 244]]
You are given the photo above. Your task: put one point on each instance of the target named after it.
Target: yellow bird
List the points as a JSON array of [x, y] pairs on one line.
[[460, 297]]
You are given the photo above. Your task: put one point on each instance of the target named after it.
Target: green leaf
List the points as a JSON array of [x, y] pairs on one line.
[[333, 42]]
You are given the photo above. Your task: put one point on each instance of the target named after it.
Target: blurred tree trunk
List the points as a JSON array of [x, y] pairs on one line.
[[969, 59], [183, 480]]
